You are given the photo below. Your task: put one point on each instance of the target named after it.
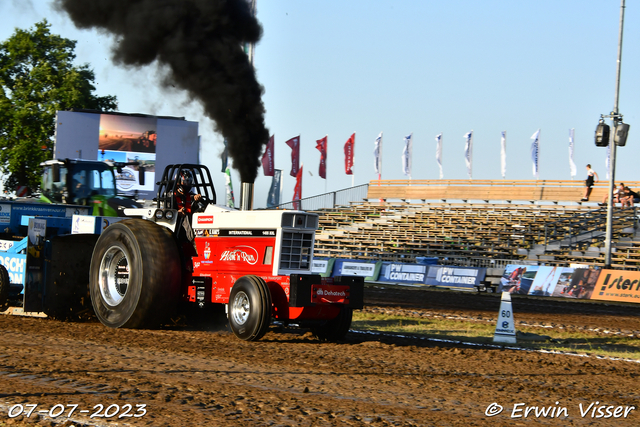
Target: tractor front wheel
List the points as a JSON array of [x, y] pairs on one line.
[[249, 308]]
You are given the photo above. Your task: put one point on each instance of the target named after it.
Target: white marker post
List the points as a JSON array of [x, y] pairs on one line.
[[505, 328]]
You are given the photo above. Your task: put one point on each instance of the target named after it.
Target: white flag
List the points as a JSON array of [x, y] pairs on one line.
[[377, 155], [439, 153], [406, 155], [503, 154], [535, 150], [468, 151], [572, 166]]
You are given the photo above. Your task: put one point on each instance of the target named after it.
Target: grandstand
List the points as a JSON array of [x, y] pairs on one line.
[[477, 223]]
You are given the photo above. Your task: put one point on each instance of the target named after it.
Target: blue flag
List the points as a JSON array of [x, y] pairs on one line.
[[273, 199], [225, 157]]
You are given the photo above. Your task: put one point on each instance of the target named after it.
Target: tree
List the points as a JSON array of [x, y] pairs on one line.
[[38, 78]]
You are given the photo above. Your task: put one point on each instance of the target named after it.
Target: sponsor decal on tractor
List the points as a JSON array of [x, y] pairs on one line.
[[205, 219], [240, 253]]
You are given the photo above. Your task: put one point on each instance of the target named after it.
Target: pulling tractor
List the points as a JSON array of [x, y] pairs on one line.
[[158, 261]]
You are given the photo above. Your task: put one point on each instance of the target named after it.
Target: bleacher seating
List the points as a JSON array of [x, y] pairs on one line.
[[488, 190], [484, 234]]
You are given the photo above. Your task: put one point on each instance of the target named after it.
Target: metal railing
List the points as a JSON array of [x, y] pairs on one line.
[[329, 200], [586, 227]]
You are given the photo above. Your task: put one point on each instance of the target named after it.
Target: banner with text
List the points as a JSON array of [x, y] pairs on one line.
[[349, 267], [323, 267], [618, 285], [455, 277], [402, 273]]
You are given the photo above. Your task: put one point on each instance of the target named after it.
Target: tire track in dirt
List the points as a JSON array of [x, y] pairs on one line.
[[198, 377]]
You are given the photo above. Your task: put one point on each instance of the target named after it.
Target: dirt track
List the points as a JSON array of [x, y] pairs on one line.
[[205, 378]]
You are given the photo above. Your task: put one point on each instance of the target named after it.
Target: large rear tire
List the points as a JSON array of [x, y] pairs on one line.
[[135, 275], [249, 308], [335, 329]]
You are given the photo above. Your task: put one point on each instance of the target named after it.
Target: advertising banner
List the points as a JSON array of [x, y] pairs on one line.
[[11, 214], [517, 279], [294, 143], [5, 245], [84, 224], [368, 270], [349, 154], [323, 267], [321, 145], [129, 139], [566, 282], [273, 199], [267, 158], [15, 265], [5, 213], [154, 142], [618, 285], [577, 283], [455, 277], [403, 273]]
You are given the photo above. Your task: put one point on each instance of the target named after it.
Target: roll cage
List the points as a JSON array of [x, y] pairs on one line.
[[202, 184]]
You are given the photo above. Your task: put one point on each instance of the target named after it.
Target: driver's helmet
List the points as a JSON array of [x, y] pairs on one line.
[[185, 180]]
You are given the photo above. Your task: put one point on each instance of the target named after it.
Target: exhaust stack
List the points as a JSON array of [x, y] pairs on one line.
[[246, 196]]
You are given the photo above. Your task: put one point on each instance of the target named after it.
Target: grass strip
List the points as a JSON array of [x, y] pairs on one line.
[[580, 342]]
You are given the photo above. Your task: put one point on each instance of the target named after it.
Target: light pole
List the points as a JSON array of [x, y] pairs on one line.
[[620, 131]]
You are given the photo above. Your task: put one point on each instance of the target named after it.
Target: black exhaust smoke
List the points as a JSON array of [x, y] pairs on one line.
[[199, 43]]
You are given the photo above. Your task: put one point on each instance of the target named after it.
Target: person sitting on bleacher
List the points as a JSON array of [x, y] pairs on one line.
[[618, 193], [630, 197]]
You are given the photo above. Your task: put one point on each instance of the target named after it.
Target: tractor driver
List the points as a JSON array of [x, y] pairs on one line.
[[80, 190], [183, 193]]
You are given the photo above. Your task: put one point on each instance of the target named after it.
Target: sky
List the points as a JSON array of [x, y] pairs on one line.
[[421, 67]]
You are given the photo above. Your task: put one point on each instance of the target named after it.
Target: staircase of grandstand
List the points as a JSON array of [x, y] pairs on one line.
[[481, 234], [584, 229]]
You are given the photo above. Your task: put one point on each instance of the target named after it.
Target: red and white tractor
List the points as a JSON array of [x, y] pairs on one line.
[[256, 262]]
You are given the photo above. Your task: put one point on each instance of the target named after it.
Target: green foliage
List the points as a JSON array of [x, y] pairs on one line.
[[37, 78]]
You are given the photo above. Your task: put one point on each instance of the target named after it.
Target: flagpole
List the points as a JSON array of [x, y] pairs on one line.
[[379, 163], [353, 175], [410, 156], [281, 185], [612, 143], [439, 153], [471, 155]]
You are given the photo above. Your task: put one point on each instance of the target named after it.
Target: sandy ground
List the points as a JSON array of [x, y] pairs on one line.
[[198, 377]]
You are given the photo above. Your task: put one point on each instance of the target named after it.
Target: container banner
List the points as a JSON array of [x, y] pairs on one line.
[[403, 273], [455, 277]]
